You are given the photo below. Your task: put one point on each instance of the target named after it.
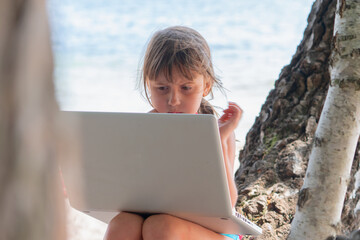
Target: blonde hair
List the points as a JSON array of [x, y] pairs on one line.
[[182, 48]]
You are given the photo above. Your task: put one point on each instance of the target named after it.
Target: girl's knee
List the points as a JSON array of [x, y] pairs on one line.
[[124, 226], [163, 226]]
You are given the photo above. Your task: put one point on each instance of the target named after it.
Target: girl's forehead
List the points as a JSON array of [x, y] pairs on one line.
[[178, 76]]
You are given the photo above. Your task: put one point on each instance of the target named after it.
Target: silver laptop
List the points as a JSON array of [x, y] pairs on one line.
[[155, 163]]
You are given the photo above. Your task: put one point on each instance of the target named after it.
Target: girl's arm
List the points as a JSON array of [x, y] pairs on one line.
[[227, 124]]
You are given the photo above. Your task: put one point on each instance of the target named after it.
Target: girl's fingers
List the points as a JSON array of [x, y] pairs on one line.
[[224, 117], [235, 107], [232, 110]]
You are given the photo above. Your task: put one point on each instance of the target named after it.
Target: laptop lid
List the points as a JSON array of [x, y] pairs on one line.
[[151, 163]]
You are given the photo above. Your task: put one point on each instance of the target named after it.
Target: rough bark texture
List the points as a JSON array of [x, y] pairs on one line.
[[274, 159], [31, 204]]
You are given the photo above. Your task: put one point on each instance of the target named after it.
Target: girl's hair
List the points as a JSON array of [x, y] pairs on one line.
[[182, 48]]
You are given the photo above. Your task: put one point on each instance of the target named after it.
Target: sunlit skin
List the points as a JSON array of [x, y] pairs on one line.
[[182, 95]]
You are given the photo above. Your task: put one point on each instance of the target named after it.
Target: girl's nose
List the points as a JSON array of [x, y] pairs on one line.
[[174, 98]]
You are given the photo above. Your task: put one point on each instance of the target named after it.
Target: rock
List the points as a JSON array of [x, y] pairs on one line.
[[293, 160], [268, 233], [313, 81], [311, 126]]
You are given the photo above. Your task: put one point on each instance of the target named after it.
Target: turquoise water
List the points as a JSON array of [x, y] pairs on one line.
[[98, 45]]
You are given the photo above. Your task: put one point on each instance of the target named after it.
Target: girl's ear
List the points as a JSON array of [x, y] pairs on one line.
[[148, 86], [207, 88]]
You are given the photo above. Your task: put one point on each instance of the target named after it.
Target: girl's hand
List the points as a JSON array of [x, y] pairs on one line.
[[229, 120], [227, 124]]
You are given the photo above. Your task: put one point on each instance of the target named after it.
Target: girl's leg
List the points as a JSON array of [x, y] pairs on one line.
[[163, 226], [125, 226]]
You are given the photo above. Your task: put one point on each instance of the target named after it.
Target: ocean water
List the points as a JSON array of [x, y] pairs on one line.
[[98, 46]]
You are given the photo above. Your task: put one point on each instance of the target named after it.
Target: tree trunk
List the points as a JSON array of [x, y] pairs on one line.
[[31, 201], [275, 156], [321, 198]]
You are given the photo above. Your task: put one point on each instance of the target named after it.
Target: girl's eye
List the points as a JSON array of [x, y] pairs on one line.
[[162, 88], [186, 88]]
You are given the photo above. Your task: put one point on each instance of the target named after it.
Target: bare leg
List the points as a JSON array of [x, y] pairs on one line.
[[163, 226], [125, 226]]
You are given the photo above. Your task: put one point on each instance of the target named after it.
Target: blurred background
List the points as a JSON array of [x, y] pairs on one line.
[[98, 46]]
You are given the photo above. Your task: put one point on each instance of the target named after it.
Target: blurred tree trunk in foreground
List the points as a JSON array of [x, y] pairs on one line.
[[31, 201], [318, 212], [274, 159]]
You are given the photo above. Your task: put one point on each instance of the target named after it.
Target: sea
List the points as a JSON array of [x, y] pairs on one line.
[[98, 46]]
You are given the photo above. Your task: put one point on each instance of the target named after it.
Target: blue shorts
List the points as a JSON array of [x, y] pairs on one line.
[[232, 236]]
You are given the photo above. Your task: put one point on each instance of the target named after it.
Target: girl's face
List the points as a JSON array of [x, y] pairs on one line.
[[179, 96]]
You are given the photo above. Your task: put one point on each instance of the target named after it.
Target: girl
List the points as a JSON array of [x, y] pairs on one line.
[[177, 74]]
